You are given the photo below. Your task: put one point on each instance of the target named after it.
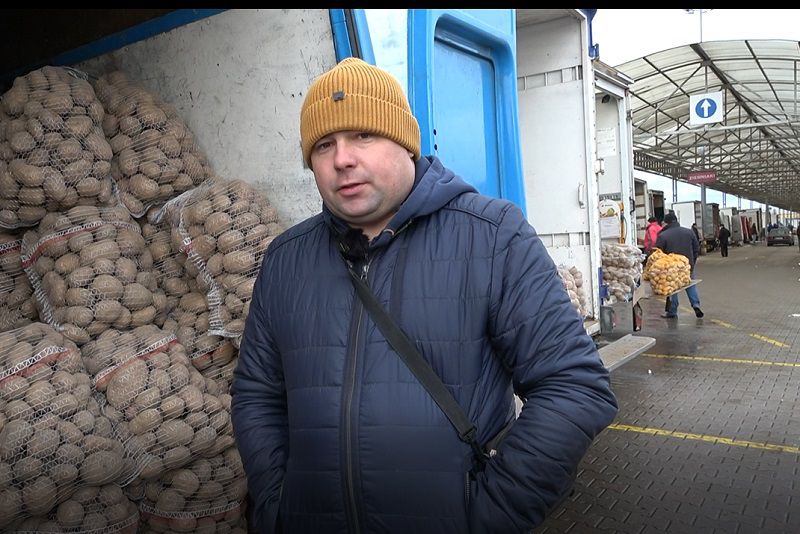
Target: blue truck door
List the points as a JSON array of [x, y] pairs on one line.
[[462, 89]]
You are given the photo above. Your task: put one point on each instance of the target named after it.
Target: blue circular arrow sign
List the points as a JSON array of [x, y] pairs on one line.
[[705, 108]]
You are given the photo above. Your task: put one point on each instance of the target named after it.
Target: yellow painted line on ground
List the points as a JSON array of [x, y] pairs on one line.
[[769, 340], [755, 336], [720, 359], [723, 323], [705, 437]]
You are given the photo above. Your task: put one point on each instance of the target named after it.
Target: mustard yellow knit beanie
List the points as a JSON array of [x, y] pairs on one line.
[[355, 95]]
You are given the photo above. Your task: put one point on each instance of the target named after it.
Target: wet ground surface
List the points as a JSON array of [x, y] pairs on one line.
[[707, 439]]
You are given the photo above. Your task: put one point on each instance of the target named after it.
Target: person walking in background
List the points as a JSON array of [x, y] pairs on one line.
[[694, 230], [676, 239], [798, 235], [650, 234], [336, 432], [723, 236]]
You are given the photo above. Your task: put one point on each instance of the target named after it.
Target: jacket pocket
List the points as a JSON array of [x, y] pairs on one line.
[[494, 443]]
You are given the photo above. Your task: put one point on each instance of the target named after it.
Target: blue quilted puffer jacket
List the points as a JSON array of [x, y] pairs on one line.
[[336, 434]]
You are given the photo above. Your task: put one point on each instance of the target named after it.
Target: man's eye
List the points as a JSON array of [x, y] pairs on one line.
[[365, 135], [322, 146]]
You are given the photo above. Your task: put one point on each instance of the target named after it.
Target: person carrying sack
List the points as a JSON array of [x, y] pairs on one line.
[[340, 426]]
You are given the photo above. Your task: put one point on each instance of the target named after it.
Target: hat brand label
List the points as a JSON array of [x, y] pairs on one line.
[[338, 95]]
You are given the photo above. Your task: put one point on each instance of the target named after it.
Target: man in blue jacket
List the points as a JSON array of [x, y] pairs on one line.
[[335, 432], [674, 238]]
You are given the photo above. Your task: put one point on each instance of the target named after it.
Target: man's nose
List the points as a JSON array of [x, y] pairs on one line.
[[344, 155]]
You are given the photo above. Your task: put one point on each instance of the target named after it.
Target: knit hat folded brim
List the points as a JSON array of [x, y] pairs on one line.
[[357, 96]]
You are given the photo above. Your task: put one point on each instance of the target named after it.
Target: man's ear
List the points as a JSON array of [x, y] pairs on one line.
[[410, 154]]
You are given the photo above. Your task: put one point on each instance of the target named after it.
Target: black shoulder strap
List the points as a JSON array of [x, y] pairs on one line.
[[418, 366]]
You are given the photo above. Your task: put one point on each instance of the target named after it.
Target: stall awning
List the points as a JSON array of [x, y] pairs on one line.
[[755, 150]]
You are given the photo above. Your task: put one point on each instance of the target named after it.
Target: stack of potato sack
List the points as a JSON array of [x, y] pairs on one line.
[[61, 463], [667, 273], [17, 306], [133, 251], [622, 270], [572, 279]]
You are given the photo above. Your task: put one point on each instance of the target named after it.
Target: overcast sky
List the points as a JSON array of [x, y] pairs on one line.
[[626, 34]]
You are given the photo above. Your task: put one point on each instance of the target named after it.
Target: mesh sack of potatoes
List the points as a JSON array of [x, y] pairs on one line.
[[53, 153], [155, 155], [207, 488], [187, 309], [90, 510], [163, 409], [654, 255], [668, 273], [212, 355], [568, 281], [226, 226], [91, 270], [171, 267], [54, 438], [17, 305], [577, 276], [622, 270], [232, 521]]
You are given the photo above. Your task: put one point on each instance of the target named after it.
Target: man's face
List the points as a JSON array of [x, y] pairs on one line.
[[363, 178]]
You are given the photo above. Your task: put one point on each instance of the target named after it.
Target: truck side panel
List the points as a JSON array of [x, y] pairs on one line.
[[560, 185], [643, 209]]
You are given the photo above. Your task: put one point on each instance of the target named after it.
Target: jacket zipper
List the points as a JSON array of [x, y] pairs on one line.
[[348, 422]]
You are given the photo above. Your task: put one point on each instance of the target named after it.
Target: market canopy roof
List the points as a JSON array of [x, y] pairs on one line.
[[755, 151]]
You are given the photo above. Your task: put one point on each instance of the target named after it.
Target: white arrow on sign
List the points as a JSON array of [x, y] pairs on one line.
[[706, 108], [705, 105]]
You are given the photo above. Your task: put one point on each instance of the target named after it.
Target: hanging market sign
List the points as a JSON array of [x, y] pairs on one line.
[[702, 177]]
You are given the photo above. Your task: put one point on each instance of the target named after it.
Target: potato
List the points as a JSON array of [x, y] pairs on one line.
[[185, 482], [63, 474], [108, 287], [69, 432], [148, 398], [239, 261], [126, 383], [175, 432], [105, 248], [108, 311], [10, 505], [101, 467], [146, 421], [65, 405], [39, 496], [27, 468], [40, 394], [136, 297], [143, 188], [176, 457], [43, 443], [70, 514], [203, 439]]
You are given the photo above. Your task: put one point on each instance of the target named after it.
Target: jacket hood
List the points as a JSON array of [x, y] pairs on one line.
[[434, 186]]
